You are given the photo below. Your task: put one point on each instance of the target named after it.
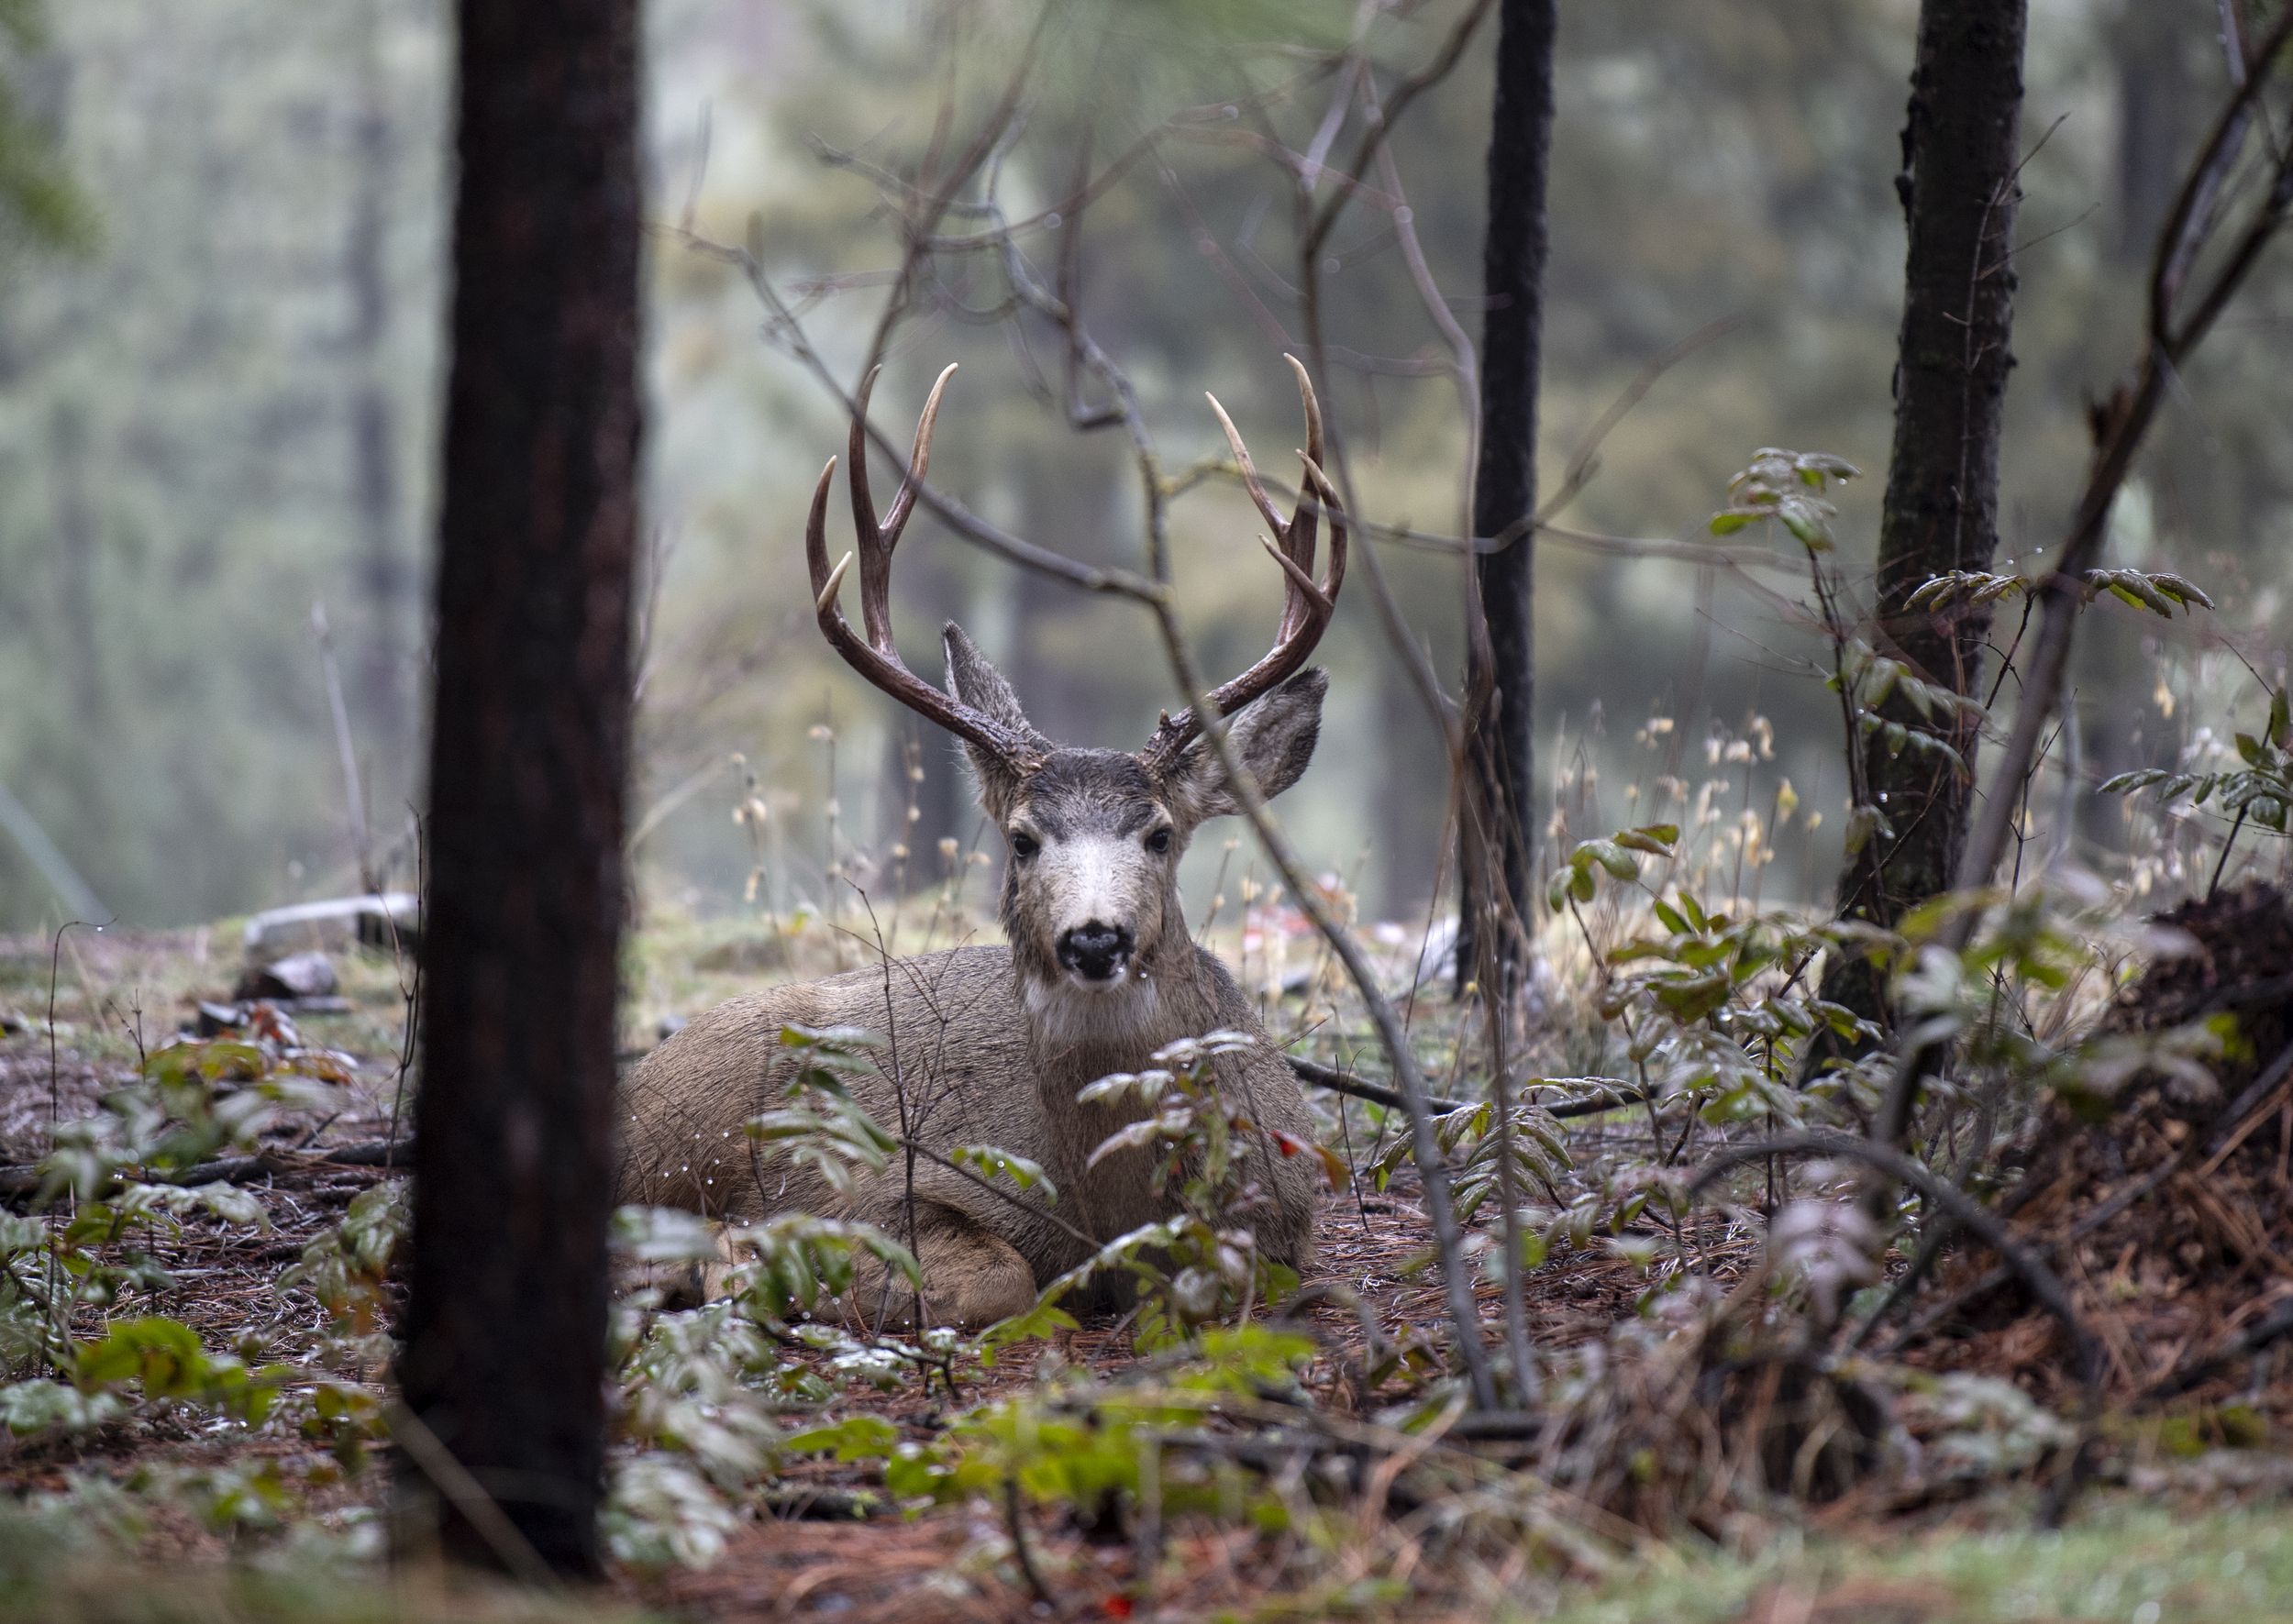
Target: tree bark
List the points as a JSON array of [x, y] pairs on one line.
[[504, 1333], [1961, 148], [1498, 804]]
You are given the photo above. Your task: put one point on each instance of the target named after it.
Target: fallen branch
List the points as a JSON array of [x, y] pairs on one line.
[[28, 1178], [1346, 1083]]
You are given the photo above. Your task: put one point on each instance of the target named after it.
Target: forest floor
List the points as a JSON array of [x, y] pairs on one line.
[[2183, 1528]]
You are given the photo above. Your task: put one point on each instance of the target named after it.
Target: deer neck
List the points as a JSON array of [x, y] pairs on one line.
[[1080, 1035]]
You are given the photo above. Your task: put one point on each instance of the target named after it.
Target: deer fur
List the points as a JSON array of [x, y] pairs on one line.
[[990, 1045]]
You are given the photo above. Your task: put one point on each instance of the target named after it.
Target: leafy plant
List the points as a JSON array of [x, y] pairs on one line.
[[1788, 487], [2259, 790], [1201, 1264], [820, 1126], [2161, 591]]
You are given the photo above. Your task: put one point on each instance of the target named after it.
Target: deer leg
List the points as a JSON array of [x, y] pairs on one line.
[[972, 1278]]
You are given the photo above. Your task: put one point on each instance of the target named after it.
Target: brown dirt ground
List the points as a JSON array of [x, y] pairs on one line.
[[2207, 1253], [2171, 1224]]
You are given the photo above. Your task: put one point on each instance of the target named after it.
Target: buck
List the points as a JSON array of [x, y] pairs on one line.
[[991, 1045]]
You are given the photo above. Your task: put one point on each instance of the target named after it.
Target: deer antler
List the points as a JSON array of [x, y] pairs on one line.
[[1306, 607], [876, 657]]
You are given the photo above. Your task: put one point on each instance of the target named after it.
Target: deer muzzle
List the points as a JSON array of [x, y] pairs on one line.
[[1095, 952]]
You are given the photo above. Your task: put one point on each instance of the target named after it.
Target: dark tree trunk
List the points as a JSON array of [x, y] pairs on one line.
[[1497, 805], [505, 1328], [1961, 151]]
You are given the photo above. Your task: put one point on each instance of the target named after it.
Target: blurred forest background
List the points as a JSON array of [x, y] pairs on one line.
[[219, 408]]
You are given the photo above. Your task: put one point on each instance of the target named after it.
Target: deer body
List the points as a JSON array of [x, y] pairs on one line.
[[975, 1070], [990, 1045]]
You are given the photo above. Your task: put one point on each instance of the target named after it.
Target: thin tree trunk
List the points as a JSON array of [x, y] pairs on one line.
[[79, 536], [1962, 150], [384, 658], [2160, 101], [504, 1333], [1498, 804]]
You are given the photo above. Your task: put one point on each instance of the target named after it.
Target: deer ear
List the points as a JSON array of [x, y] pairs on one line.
[[1272, 737], [979, 685]]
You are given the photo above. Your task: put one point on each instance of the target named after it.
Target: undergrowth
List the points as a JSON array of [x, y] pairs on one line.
[[1683, 1142]]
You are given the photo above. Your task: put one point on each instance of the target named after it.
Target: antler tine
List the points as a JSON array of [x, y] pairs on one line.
[[1306, 606], [895, 517], [876, 657], [823, 583], [1326, 494], [1313, 493], [1249, 469], [878, 537]]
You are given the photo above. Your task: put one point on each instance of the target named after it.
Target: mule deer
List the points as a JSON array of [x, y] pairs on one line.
[[984, 1044]]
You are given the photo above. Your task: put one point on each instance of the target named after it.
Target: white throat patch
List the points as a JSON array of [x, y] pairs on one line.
[[1068, 1016]]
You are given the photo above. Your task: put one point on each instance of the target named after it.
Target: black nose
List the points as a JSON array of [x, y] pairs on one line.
[[1095, 951]]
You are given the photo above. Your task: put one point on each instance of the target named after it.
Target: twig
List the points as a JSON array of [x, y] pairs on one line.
[[1339, 1082], [1019, 1547], [1424, 1144], [1000, 1194], [2192, 1372], [411, 990], [354, 791]]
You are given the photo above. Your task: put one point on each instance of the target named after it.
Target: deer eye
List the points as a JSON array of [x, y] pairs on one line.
[[1023, 844], [1158, 842]]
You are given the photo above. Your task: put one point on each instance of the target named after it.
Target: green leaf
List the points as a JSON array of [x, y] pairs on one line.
[[2178, 587], [855, 1438], [665, 1235], [993, 1162], [1613, 857]]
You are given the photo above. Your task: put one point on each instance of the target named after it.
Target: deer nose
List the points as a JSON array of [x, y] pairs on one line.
[[1096, 952]]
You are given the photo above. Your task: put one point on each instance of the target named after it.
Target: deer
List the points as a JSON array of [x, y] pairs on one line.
[[990, 1045]]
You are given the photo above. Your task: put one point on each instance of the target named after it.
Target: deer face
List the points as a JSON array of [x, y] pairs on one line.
[[1091, 893], [1090, 896]]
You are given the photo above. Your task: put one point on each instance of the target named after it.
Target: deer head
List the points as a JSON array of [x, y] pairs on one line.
[[1090, 899]]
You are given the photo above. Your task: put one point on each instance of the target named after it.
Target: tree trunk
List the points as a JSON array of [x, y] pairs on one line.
[[385, 655], [504, 1333], [1961, 147], [1498, 804], [2160, 101]]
